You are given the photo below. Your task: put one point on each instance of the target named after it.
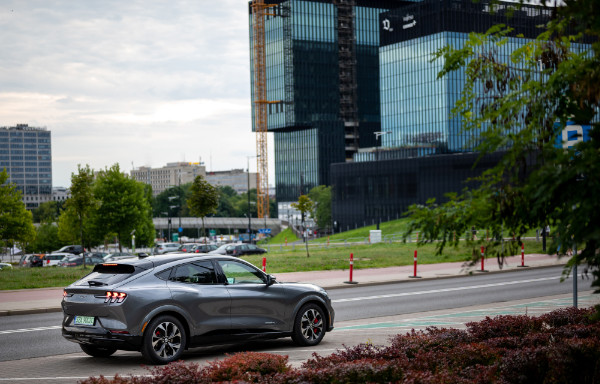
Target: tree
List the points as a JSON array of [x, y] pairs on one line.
[[47, 212], [82, 199], [525, 103], [122, 206], [305, 205], [321, 195], [16, 223], [203, 200], [46, 239]]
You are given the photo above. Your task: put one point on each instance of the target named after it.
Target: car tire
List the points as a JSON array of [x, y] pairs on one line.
[[97, 351], [309, 325], [164, 340]]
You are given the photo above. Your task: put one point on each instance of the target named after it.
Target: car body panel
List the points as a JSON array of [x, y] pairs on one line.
[[233, 301]]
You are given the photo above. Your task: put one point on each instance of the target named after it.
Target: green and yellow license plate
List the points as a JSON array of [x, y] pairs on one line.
[[84, 320]]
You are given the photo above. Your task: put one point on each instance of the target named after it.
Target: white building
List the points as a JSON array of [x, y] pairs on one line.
[[168, 176], [235, 178]]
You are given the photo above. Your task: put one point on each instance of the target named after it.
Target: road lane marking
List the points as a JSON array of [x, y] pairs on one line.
[[30, 329], [443, 290]]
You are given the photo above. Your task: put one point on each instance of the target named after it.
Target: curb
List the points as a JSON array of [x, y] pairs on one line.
[[33, 311]]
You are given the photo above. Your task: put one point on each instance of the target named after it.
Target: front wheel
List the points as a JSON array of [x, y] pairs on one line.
[[309, 325], [97, 351], [164, 340]]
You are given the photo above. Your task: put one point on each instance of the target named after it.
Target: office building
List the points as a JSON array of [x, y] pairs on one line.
[[237, 179], [423, 154], [26, 155], [173, 174], [322, 70]]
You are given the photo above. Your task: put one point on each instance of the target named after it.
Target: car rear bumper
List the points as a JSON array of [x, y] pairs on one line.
[[107, 339]]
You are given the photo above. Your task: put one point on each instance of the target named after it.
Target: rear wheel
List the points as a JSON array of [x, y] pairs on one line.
[[97, 351], [164, 340], [309, 325]]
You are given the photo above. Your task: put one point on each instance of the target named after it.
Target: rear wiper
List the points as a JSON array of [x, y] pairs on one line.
[[96, 283]]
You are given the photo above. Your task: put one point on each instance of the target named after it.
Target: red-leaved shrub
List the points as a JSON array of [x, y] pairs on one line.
[[559, 347]]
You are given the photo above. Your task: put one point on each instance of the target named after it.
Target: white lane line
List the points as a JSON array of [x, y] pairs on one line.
[[30, 329], [444, 290]]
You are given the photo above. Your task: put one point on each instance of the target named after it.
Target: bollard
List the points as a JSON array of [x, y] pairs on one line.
[[482, 258], [286, 241], [351, 270], [328, 241], [264, 264], [522, 256], [414, 276]]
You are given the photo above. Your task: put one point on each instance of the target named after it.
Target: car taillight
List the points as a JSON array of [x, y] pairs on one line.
[[115, 297], [65, 294]]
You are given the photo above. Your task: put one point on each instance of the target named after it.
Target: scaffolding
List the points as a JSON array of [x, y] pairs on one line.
[[347, 75], [259, 9]]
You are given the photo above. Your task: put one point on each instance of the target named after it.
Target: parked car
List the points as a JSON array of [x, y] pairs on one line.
[[166, 247], [77, 260], [74, 249], [187, 247], [36, 260], [111, 258], [53, 259], [204, 248], [224, 249], [163, 305], [24, 262], [5, 266], [247, 249]]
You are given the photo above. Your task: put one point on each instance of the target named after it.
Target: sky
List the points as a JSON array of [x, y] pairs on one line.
[[134, 82]]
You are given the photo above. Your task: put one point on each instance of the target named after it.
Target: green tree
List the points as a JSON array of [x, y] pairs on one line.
[[122, 206], [321, 195], [305, 206], [82, 200], [46, 239], [544, 84], [203, 200], [16, 223], [47, 212]]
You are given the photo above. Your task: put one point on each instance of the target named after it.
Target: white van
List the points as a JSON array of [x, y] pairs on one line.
[[52, 259]]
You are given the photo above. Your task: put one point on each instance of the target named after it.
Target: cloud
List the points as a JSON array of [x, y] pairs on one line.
[[147, 82]]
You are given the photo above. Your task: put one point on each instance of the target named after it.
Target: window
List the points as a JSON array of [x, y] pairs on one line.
[[200, 272], [240, 273]]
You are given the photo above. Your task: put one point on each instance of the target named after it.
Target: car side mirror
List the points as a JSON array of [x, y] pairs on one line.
[[271, 280]]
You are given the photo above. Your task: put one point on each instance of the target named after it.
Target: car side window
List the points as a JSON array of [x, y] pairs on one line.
[[240, 273], [200, 272]]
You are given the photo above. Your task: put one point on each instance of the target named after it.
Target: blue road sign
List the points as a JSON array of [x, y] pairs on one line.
[[180, 229], [571, 135], [265, 230]]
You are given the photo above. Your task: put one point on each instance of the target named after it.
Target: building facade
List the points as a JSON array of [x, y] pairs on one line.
[[237, 179], [308, 86], [423, 154], [26, 155], [173, 174]]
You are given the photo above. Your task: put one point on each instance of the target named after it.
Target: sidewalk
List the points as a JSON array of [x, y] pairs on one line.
[[32, 301]]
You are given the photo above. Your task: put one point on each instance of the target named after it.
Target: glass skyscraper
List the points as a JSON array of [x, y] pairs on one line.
[[303, 87], [415, 104], [26, 155]]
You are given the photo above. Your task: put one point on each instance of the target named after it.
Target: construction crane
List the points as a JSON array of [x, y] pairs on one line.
[[259, 11]]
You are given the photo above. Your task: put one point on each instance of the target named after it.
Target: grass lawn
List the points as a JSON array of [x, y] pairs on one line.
[[283, 259]]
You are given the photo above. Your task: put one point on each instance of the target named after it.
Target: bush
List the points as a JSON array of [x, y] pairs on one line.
[[559, 347]]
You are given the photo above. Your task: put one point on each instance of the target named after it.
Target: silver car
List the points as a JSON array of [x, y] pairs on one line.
[[163, 305]]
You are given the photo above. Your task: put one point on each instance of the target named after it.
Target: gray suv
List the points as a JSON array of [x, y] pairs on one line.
[[163, 305]]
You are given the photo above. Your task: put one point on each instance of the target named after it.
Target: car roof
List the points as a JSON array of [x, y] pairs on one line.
[[158, 260]]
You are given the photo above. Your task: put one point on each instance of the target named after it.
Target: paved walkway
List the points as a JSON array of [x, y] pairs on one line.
[[30, 301]]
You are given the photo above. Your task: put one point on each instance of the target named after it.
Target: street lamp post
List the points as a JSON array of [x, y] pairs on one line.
[[378, 135]]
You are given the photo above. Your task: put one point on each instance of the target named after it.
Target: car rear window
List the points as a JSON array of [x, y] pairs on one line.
[[109, 274]]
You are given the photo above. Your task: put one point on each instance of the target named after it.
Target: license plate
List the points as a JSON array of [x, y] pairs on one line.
[[84, 320]]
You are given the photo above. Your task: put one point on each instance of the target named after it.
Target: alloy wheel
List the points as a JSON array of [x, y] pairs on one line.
[[166, 340]]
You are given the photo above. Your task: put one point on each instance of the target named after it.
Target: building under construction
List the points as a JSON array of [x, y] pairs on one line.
[[322, 98]]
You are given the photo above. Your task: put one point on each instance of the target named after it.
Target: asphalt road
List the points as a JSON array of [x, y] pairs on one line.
[[32, 349]]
